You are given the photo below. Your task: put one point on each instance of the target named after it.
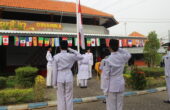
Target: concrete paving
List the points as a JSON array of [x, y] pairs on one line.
[[152, 101]]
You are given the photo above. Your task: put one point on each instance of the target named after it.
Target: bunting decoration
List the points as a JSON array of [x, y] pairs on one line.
[[0, 40], [40, 41], [29, 41], [120, 43], [5, 40], [57, 42], [22, 41], [46, 42], [70, 42], [129, 43], [97, 42], [34, 39], [75, 41], [107, 42], [64, 38], [52, 42], [93, 43], [88, 42], [16, 41]]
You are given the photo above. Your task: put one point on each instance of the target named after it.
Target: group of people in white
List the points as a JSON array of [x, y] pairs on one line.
[[59, 74]]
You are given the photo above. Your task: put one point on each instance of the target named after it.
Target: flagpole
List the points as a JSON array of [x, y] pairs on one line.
[[78, 40]]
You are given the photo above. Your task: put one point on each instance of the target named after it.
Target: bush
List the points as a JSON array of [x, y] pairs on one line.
[[138, 79], [11, 96], [39, 88], [11, 81], [153, 72], [2, 82], [25, 76]]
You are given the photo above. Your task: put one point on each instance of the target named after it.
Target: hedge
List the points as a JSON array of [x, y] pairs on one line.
[[2, 82], [13, 96]]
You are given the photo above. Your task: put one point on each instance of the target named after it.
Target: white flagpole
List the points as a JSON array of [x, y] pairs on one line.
[[78, 40], [78, 20]]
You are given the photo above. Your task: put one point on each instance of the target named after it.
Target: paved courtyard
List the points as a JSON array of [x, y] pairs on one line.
[[152, 101]]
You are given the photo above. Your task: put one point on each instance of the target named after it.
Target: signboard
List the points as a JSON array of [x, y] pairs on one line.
[[29, 25]]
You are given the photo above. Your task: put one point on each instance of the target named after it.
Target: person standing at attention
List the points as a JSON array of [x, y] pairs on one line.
[[90, 63], [113, 72], [83, 73], [167, 72], [49, 59], [63, 76]]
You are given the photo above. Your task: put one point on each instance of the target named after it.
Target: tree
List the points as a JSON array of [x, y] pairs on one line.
[[151, 55]]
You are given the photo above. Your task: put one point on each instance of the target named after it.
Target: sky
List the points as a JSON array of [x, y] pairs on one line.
[[142, 16]]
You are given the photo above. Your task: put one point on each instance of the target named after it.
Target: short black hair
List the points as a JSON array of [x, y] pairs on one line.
[[64, 45], [114, 44]]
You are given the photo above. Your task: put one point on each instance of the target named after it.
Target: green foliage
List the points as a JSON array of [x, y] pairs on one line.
[[13, 96], [39, 88], [155, 82], [153, 72], [2, 82], [25, 76], [138, 80], [11, 81], [151, 55]]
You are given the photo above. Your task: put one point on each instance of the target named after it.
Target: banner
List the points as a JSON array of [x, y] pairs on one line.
[[93, 43], [46, 42], [70, 42], [88, 42], [34, 39], [97, 42], [22, 41], [57, 42], [0, 40], [40, 41], [5, 40], [16, 41]]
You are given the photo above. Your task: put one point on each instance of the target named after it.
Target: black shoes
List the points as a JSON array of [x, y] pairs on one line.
[[167, 101]]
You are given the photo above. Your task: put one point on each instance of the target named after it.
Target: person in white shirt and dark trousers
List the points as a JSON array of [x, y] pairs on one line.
[[63, 76], [49, 59], [90, 55], [166, 59], [113, 70]]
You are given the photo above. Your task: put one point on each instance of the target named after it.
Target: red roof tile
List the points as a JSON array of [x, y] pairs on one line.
[[136, 34], [51, 5]]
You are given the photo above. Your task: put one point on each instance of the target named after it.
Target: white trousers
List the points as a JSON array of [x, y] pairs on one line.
[[65, 96], [90, 71], [83, 82], [49, 76], [114, 101], [168, 86]]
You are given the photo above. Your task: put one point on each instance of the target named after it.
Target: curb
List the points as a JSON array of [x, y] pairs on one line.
[[76, 100]]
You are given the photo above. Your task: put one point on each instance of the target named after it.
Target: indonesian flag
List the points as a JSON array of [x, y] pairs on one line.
[[93, 43], [5, 40], [22, 41], [80, 26]]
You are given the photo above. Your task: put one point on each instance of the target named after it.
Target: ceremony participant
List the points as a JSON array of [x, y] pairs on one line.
[[167, 72], [91, 62], [83, 73], [63, 76], [49, 67], [113, 71], [104, 81]]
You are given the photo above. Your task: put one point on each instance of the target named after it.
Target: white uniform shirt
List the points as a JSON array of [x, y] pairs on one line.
[[114, 67], [90, 57], [49, 58], [62, 65], [167, 64], [83, 72]]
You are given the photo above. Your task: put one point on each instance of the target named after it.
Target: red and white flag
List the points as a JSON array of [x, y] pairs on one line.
[[80, 26], [5, 40]]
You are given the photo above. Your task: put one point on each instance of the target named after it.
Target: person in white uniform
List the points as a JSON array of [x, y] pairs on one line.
[[90, 63], [113, 70], [49, 59], [63, 76], [83, 73], [167, 72]]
